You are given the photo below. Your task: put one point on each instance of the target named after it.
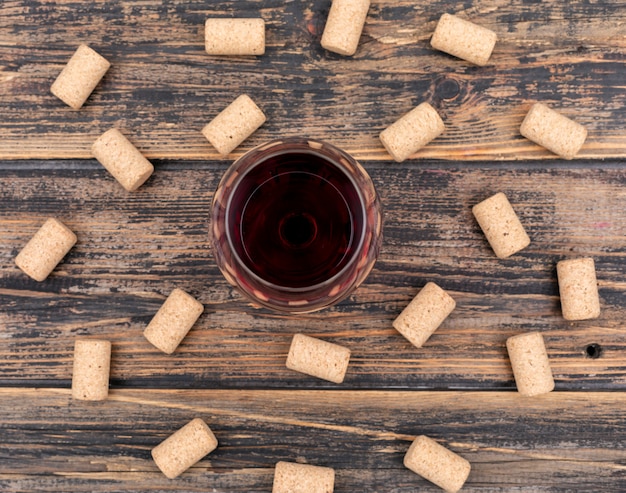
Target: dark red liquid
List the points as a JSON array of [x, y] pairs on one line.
[[295, 219]]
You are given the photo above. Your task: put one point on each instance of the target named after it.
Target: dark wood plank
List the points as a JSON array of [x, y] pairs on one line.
[[163, 88], [558, 442], [135, 248]]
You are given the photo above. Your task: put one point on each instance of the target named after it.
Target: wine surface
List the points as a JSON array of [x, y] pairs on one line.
[[295, 219]]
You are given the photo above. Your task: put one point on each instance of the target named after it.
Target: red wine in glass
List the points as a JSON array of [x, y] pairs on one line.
[[296, 225]]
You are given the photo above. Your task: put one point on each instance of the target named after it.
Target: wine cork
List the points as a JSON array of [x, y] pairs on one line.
[[578, 289], [80, 77], [234, 125], [290, 477], [412, 132], [437, 464], [531, 367], [45, 249], [122, 159], [344, 25], [234, 36], [173, 321], [92, 364], [184, 448], [318, 358], [424, 314], [501, 226], [463, 39], [555, 132]]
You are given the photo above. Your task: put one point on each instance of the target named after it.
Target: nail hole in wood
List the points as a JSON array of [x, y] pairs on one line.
[[593, 351]]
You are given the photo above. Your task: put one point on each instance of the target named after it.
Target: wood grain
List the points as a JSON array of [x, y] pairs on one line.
[[133, 249], [553, 443], [163, 88]]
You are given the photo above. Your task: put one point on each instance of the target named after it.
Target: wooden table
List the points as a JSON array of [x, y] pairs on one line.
[[134, 248]]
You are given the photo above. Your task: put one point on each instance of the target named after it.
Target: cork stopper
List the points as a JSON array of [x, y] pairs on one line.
[[412, 132], [234, 124], [318, 358], [437, 464], [173, 321], [426, 312], [80, 77], [45, 249], [92, 364], [344, 25], [463, 39], [555, 132], [531, 367], [501, 226], [184, 448], [122, 159], [578, 289], [290, 477], [243, 36]]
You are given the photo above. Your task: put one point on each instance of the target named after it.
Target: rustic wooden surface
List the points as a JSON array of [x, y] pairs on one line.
[[163, 88], [133, 249]]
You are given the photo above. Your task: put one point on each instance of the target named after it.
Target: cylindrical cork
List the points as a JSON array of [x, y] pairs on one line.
[[437, 464], [578, 288], [344, 25], [92, 364], [234, 36], [318, 358], [122, 159], [184, 448], [80, 77], [173, 321], [501, 226], [290, 477], [530, 363], [234, 124], [424, 314], [555, 132], [412, 132], [45, 249], [463, 39]]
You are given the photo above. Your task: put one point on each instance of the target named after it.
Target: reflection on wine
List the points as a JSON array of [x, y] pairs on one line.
[[296, 225]]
